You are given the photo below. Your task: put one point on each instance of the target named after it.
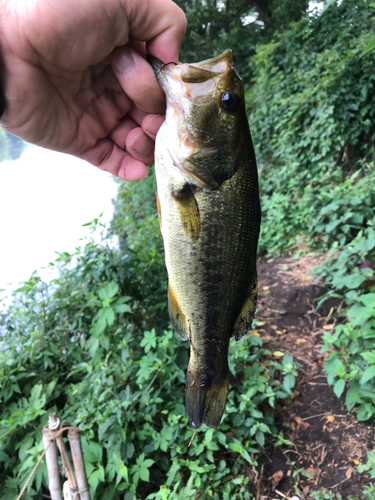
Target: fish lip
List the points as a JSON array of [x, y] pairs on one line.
[[191, 73], [163, 72], [207, 64], [157, 64]]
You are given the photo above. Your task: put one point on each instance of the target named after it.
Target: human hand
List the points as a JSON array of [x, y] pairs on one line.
[[75, 79]]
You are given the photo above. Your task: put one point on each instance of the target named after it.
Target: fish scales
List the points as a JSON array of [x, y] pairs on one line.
[[208, 204]]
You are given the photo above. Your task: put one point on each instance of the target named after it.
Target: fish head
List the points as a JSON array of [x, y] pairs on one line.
[[206, 116]]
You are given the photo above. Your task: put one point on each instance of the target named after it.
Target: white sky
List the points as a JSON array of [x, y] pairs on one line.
[[45, 197]]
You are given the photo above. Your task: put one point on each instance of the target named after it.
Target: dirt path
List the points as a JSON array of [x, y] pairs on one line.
[[329, 442]]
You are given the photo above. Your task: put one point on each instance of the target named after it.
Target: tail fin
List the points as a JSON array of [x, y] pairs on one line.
[[205, 403]]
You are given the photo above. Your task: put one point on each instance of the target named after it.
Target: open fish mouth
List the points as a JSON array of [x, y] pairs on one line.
[[196, 80]]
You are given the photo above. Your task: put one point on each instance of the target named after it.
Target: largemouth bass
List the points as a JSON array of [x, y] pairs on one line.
[[208, 204]]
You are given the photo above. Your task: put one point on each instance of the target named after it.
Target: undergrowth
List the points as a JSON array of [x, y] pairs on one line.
[[312, 120], [94, 345], [312, 116]]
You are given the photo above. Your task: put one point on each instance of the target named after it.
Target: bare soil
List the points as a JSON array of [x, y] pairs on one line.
[[329, 442]]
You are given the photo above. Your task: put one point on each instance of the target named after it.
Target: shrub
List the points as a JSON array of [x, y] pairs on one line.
[[312, 117], [94, 345]]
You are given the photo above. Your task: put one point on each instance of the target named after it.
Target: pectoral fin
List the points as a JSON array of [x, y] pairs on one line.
[[245, 318], [177, 316], [188, 211]]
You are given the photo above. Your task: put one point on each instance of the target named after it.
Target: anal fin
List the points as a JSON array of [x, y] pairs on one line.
[[177, 316], [245, 318]]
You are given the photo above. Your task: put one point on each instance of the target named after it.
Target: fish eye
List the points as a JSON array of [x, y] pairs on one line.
[[230, 101]]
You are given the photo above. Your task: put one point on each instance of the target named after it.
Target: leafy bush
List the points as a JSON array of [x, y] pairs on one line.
[[350, 269], [214, 27], [312, 119], [94, 345], [351, 362], [367, 494]]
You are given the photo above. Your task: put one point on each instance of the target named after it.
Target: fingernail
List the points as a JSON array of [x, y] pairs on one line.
[[151, 125], [123, 61], [142, 144]]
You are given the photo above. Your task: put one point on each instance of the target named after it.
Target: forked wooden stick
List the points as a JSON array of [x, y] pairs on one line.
[[52, 465], [79, 464]]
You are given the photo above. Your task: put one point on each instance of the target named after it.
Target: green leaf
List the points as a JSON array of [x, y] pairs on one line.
[[369, 47], [339, 387], [92, 344], [124, 472], [364, 412], [239, 449], [100, 322], [96, 476], [109, 291], [194, 467], [147, 463], [144, 474], [369, 357], [92, 452], [122, 308], [259, 438], [37, 400], [289, 382], [109, 315], [368, 374]]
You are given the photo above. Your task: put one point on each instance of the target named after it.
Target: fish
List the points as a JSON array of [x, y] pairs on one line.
[[209, 214]]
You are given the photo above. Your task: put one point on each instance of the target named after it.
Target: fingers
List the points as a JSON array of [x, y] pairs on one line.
[[138, 80], [140, 146], [129, 137], [128, 149], [151, 124], [109, 157], [161, 23]]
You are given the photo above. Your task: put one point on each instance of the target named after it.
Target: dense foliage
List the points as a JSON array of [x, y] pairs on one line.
[[94, 345], [240, 25], [313, 124], [312, 119]]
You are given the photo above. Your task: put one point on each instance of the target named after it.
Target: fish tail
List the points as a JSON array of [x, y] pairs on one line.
[[205, 402]]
